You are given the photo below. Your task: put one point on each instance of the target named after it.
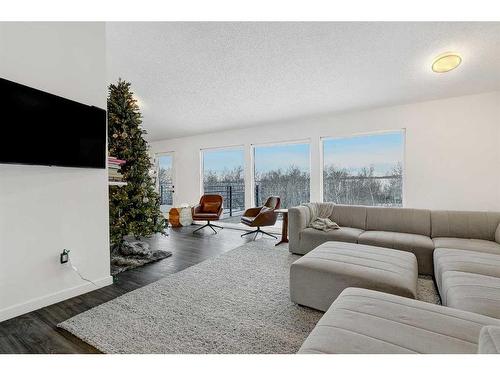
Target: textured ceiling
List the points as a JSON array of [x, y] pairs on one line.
[[202, 77]]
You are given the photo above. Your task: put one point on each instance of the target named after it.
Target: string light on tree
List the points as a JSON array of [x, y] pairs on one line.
[[135, 207]]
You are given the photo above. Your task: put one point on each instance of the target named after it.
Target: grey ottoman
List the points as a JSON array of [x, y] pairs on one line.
[[321, 275], [367, 322]]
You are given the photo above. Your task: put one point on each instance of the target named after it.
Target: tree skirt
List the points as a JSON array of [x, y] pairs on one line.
[[134, 254]]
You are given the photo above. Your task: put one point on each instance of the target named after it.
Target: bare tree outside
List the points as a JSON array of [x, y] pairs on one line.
[[349, 175], [292, 185], [365, 170], [223, 174], [364, 187], [165, 176], [229, 183], [165, 181], [282, 170]]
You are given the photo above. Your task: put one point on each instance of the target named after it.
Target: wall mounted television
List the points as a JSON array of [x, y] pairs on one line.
[[39, 128]]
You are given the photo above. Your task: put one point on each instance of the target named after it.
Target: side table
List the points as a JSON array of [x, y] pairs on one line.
[[180, 216], [284, 227]]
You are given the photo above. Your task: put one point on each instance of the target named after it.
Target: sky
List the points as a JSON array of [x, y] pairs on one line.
[[383, 151], [165, 161], [268, 158], [218, 160]]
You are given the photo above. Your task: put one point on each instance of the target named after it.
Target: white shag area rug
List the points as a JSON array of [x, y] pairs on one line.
[[237, 302]]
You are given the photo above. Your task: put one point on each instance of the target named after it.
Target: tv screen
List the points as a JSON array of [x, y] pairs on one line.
[[43, 129]]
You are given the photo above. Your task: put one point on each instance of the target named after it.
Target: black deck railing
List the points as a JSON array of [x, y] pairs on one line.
[[233, 194], [369, 190], [364, 190]]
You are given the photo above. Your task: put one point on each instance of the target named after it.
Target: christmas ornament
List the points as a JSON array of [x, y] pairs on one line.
[[126, 205]]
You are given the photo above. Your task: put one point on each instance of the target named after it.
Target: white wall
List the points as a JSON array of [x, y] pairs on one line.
[[452, 150], [46, 209]]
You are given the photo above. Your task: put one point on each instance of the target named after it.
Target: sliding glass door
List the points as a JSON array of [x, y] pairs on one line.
[[282, 170], [165, 167]]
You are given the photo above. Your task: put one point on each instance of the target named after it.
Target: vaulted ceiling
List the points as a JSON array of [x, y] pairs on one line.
[[202, 77]]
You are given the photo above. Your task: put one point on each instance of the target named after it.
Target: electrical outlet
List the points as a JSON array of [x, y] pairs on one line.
[[64, 256]]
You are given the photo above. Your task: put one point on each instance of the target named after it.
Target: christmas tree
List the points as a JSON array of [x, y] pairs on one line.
[[135, 207]]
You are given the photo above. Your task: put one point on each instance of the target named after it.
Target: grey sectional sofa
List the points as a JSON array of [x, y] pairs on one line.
[[417, 230], [468, 280], [364, 321], [461, 249], [317, 278]]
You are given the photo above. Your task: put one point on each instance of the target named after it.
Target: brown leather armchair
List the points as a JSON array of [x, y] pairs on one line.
[[209, 208], [262, 216]]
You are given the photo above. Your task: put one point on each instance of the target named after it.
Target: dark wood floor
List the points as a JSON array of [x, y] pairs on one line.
[[37, 332]]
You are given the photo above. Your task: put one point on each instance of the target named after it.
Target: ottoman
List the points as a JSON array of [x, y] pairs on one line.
[[367, 322], [321, 275]]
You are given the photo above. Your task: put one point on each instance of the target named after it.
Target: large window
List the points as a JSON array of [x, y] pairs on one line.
[[282, 170], [223, 173], [366, 170]]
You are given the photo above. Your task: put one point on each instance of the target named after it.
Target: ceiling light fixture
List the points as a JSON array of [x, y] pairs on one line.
[[445, 62]]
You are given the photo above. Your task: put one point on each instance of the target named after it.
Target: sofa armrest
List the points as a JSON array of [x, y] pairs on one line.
[[195, 209], [497, 234], [298, 218]]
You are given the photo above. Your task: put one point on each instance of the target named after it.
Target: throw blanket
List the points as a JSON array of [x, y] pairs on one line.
[[319, 214]]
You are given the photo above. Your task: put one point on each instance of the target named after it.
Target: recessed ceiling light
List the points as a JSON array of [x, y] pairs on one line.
[[446, 61]]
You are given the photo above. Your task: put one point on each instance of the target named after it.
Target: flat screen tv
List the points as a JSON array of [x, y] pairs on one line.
[[39, 128]]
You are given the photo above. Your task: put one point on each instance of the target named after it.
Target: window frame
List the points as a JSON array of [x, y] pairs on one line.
[[240, 147], [295, 141], [156, 159], [323, 139], [222, 148]]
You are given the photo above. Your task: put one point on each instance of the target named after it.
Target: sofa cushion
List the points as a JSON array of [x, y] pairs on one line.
[[369, 322], [211, 207], [489, 340], [405, 220], [312, 238], [349, 216], [471, 292], [321, 275], [419, 245], [465, 224], [465, 261], [483, 246], [247, 219]]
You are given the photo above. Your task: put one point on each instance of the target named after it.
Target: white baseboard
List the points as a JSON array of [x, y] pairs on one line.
[[49, 299]]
